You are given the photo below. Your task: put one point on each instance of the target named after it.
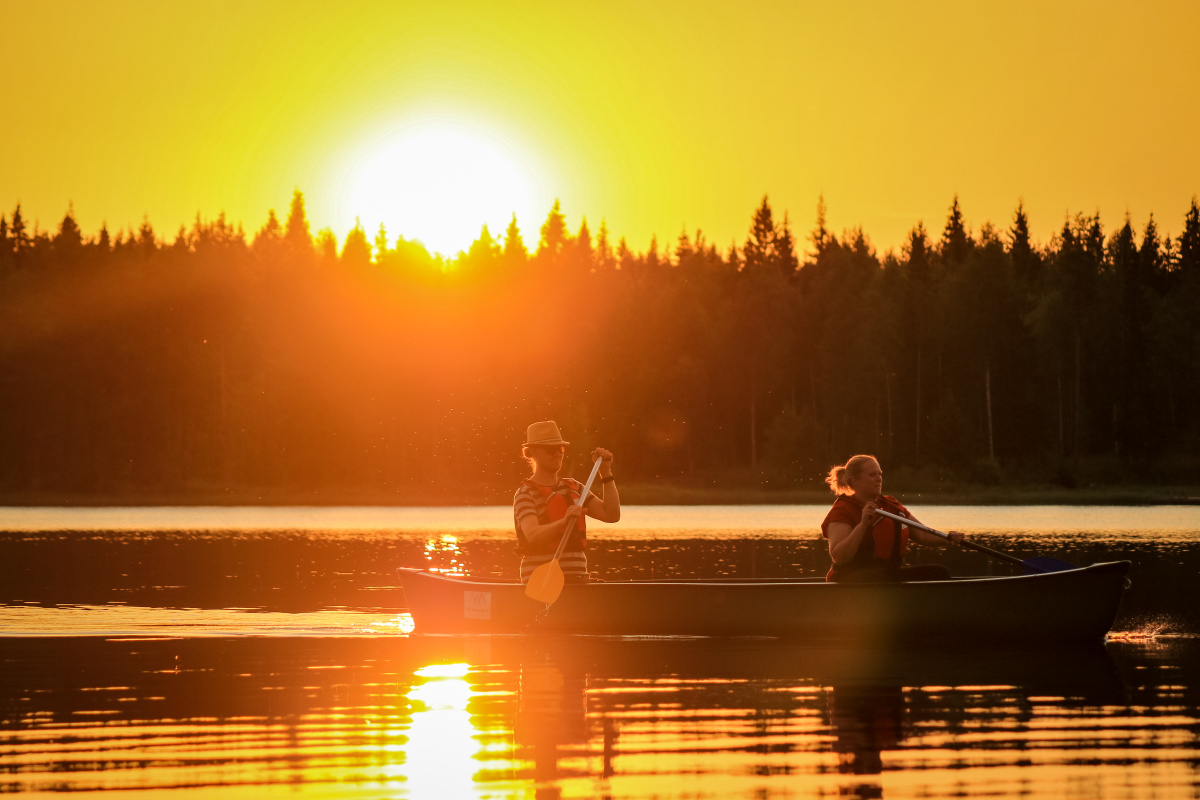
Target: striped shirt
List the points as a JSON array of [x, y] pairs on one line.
[[529, 502]]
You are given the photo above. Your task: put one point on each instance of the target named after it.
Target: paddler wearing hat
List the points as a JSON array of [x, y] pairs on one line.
[[545, 504]]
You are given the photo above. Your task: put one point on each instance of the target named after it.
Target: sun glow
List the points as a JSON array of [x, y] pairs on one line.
[[439, 182]]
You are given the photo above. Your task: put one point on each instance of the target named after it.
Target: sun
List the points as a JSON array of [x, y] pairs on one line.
[[440, 183]]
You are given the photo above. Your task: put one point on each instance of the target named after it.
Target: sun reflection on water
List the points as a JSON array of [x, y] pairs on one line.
[[444, 554], [440, 755]]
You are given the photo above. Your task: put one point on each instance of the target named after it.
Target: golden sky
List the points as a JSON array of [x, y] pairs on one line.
[[436, 117]]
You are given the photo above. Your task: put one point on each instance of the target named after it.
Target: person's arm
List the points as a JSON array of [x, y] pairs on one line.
[[844, 538], [552, 532], [607, 507], [925, 537]]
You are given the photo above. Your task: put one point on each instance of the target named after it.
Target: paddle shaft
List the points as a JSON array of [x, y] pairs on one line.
[[587, 487], [946, 536]]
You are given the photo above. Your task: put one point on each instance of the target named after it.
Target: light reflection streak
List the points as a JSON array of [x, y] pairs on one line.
[[444, 554], [496, 718], [439, 759]]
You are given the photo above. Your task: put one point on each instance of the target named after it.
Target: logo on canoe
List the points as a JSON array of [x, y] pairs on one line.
[[477, 605]]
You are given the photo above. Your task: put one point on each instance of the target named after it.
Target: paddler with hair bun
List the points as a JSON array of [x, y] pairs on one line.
[[545, 504], [867, 547]]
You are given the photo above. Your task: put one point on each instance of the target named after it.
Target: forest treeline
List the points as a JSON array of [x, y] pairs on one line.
[[277, 365]]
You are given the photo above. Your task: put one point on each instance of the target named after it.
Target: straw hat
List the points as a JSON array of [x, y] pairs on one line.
[[543, 433]]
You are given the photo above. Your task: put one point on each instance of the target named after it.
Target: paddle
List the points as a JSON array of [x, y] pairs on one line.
[[546, 582], [1035, 565]]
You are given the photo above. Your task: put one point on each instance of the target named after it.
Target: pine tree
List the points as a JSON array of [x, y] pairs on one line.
[[181, 245], [583, 258], [356, 250], [483, 250], [604, 252], [683, 249], [916, 249], [1024, 260], [733, 258], [268, 242], [920, 276], [1150, 256], [297, 235], [1093, 243], [68, 241], [820, 235], [19, 240], [381, 245], [625, 256], [326, 247], [759, 249], [652, 259], [785, 249], [146, 242], [554, 235], [1132, 377], [515, 252], [956, 244], [1189, 245], [1123, 252]]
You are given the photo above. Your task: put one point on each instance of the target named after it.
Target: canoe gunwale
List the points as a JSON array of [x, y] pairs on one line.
[[1071, 605], [732, 582]]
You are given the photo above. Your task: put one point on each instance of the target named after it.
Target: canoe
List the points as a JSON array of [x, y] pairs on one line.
[[1068, 606]]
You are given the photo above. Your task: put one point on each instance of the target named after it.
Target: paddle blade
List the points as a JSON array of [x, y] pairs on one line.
[[546, 583], [1040, 564]]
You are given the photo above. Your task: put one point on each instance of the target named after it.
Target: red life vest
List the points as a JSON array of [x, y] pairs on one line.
[[886, 542], [556, 498]]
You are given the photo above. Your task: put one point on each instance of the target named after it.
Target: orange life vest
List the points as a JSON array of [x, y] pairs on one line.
[[557, 498], [886, 542]]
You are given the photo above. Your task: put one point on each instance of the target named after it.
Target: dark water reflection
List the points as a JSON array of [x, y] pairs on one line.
[[577, 717], [296, 571], [311, 700]]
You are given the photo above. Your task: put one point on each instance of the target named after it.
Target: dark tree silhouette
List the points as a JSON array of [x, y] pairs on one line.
[[214, 367]]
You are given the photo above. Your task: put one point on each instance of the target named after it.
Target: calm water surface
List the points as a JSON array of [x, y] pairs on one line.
[[252, 651]]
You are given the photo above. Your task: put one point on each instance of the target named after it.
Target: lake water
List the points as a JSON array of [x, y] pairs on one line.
[[245, 652]]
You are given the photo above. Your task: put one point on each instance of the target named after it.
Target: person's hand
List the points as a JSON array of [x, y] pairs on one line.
[[606, 461], [868, 515], [955, 537], [573, 514]]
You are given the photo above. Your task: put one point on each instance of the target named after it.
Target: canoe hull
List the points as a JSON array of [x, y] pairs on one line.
[[1073, 605]]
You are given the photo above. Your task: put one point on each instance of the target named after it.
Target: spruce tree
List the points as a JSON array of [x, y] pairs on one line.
[[68, 241], [1150, 257], [268, 242], [515, 252], [785, 249], [759, 249], [684, 250], [18, 239], [484, 249], [146, 242], [381, 244], [1189, 245], [297, 235], [956, 244], [732, 258], [1024, 260], [820, 235], [583, 258], [604, 252], [554, 235], [326, 247], [356, 250]]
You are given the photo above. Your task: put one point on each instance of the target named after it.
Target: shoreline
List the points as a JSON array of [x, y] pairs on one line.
[[631, 494]]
